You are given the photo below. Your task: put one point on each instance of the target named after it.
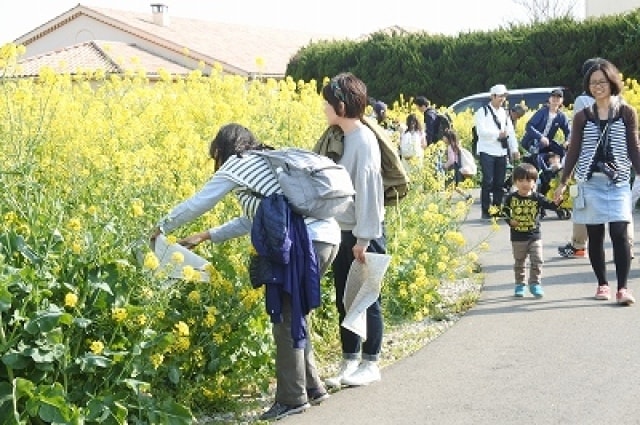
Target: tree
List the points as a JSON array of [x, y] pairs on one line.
[[545, 10]]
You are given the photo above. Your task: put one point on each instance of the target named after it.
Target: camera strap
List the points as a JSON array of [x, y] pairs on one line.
[[495, 118], [604, 133]]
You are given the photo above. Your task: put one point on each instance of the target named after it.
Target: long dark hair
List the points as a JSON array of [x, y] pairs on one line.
[[452, 137], [233, 139], [413, 124]]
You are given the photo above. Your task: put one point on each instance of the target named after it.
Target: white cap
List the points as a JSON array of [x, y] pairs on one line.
[[499, 89]]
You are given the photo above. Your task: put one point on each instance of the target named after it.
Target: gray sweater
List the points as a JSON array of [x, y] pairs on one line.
[[361, 158]]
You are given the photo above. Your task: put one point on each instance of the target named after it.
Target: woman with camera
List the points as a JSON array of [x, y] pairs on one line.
[[602, 150], [496, 140]]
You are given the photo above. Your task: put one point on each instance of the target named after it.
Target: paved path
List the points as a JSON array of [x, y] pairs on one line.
[[563, 359]]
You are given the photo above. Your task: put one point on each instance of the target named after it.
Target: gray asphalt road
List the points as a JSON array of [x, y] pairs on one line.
[[562, 359]]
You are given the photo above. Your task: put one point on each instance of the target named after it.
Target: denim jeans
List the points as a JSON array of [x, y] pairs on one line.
[[494, 171], [351, 342]]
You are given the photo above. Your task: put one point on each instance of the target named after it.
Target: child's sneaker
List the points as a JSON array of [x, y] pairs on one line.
[[519, 292], [623, 296], [536, 290], [603, 293]]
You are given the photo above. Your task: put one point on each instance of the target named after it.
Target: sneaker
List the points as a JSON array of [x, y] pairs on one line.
[[347, 367], [536, 290], [366, 374], [602, 293], [317, 395], [279, 411], [519, 291], [569, 251], [623, 296]]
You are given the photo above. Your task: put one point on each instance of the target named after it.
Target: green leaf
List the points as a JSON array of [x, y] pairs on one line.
[[105, 411], [46, 321], [176, 414], [53, 406], [5, 299], [27, 251], [174, 375], [103, 286], [82, 322], [16, 360], [90, 362]]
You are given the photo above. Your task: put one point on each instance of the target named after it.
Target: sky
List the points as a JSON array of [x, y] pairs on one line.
[[340, 17]]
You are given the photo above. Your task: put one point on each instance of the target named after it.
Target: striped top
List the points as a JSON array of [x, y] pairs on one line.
[[253, 175], [585, 137]]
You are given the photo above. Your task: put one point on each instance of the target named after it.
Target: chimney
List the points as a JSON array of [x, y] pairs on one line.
[[160, 14]]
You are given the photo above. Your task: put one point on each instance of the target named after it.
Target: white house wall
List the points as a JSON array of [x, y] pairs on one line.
[[83, 28], [595, 8]]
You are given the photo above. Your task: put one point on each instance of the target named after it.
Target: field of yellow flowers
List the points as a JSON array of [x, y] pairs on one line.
[[89, 163]]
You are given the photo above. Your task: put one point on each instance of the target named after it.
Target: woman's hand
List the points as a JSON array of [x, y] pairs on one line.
[[358, 253], [558, 195], [154, 234], [194, 240]]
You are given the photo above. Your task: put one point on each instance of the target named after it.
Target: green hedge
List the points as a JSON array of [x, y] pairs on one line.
[[446, 68]]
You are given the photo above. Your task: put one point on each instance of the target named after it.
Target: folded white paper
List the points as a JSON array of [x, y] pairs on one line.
[[362, 289], [164, 251]]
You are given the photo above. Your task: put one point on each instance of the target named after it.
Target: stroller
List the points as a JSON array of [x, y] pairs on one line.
[[548, 161]]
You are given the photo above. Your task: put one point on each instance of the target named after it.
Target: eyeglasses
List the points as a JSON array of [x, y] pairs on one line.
[[600, 83], [504, 96], [337, 91]]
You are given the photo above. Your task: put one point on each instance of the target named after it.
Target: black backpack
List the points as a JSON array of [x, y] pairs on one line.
[[443, 122]]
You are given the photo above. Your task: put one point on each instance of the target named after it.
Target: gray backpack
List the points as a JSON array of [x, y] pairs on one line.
[[313, 184]]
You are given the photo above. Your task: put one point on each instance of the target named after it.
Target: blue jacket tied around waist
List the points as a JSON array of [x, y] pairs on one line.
[[281, 236]]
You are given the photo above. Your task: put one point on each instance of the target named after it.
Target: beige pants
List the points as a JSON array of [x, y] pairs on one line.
[[522, 250]]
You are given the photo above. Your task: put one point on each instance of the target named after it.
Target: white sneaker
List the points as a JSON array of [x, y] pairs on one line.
[[367, 373], [347, 367]]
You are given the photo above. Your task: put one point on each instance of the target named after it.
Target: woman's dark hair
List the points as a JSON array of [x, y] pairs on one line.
[[586, 66], [232, 139], [525, 171], [611, 73], [413, 124], [347, 94], [452, 137]]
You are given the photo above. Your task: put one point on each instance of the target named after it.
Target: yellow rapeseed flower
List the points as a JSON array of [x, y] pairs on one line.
[[177, 258], [70, 300], [171, 239], [76, 247], [181, 329], [142, 319], [156, 360], [118, 314], [190, 274], [74, 224], [194, 297], [182, 344], [137, 208], [96, 347], [151, 262]]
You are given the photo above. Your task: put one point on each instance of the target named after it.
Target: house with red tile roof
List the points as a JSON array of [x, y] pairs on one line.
[[116, 41]]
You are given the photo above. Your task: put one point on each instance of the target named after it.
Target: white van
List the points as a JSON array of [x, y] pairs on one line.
[[533, 98]]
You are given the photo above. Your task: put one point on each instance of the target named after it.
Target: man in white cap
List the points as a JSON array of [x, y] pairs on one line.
[[496, 140]]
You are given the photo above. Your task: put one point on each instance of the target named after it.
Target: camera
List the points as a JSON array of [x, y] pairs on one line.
[[609, 169], [504, 141]]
